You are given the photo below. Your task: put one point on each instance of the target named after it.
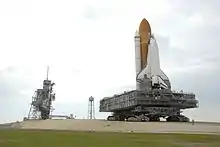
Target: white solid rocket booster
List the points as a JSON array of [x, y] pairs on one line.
[[137, 56]]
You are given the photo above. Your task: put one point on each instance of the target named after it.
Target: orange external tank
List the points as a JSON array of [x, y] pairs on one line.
[[145, 33]]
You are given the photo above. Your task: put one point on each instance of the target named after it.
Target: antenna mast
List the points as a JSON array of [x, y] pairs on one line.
[[47, 72]]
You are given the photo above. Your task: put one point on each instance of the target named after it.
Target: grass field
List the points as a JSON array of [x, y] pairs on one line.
[[24, 138]]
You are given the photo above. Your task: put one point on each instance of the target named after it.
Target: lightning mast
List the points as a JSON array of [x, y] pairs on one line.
[[91, 108]]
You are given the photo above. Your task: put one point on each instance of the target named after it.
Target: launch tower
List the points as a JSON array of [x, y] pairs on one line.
[[153, 97], [41, 105]]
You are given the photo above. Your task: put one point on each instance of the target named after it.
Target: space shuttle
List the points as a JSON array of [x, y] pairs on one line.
[[148, 72]]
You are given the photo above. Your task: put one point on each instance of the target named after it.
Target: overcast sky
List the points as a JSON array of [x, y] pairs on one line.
[[89, 46]]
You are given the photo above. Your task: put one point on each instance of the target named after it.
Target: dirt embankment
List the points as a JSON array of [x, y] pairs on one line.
[[114, 126]]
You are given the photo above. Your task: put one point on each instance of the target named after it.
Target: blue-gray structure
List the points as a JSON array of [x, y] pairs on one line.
[[41, 105], [148, 105]]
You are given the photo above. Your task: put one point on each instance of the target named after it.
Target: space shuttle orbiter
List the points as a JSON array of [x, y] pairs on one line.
[[148, 72]]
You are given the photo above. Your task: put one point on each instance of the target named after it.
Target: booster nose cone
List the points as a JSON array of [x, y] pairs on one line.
[[137, 33]]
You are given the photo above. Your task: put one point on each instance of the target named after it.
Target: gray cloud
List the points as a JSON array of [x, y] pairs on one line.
[[206, 87], [15, 93], [11, 85], [188, 41], [198, 72], [197, 55]]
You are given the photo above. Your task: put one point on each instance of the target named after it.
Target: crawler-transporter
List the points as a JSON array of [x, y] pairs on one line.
[[148, 105]]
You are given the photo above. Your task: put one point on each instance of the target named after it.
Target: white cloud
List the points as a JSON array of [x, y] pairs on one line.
[[15, 8], [195, 20]]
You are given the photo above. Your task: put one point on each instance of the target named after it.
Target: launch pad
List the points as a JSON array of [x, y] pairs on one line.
[[153, 97], [41, 105]]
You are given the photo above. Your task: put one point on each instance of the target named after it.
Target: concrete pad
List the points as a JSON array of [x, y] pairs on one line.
[[116, 126]]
